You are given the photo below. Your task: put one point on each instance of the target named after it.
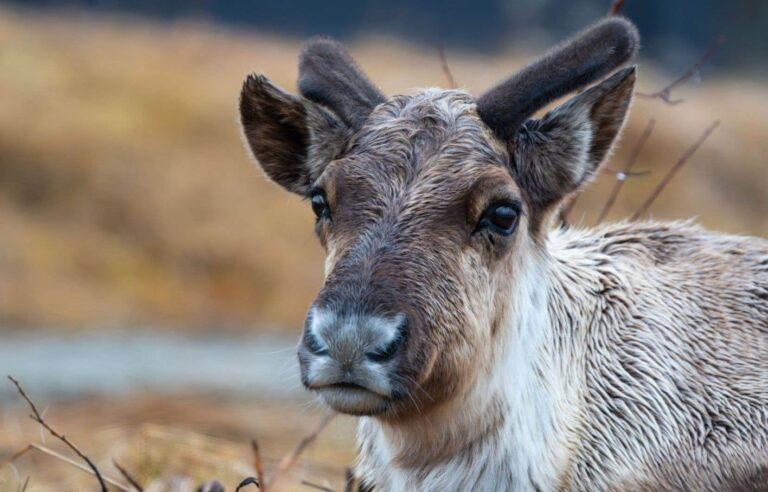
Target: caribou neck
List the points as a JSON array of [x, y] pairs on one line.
[[513, 427]]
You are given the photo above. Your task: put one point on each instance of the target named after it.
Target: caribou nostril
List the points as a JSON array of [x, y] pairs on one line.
[[313, 344], [388, 351]]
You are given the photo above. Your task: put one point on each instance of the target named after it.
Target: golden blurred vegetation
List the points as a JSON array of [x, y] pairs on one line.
[[173, 443], [126, 196]]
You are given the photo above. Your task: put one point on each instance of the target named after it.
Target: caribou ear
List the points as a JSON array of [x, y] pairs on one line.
[[557, 154], [292, 138], [583, 59], [561, 152], [329, 76]]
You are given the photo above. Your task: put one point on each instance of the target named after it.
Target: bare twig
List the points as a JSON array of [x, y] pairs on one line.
[[665, 94], [23, 488], [289, 459], [623, 175], [317, 486], [79, 466], [675, 168], [249, 481], [134, 483], [39, 419], [446, 68], [257, 464], [18, 454], [39, 447], [621, 178], [616, 7], [566, 210]]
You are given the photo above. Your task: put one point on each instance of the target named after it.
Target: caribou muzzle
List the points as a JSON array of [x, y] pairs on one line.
[[350, 358]]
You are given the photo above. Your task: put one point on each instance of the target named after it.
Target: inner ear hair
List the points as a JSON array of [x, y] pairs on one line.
[[274, 126], [561, 152], [295, 137], [609, 103], [292, 138]]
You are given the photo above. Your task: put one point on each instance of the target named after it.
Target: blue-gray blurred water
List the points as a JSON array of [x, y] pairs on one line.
[[120, 363]]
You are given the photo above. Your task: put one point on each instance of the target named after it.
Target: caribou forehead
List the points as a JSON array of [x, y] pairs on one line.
[[431, 123], [432, 144]]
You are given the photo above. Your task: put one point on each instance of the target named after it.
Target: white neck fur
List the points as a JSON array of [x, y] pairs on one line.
[[515, 433]]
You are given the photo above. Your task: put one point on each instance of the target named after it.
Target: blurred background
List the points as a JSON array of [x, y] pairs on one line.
[[152, 282]]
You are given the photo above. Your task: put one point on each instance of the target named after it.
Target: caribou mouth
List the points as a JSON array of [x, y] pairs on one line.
[[353, 399], [348, 386]]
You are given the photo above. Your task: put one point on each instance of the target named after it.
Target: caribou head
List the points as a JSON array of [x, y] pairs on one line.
[[433, 208]]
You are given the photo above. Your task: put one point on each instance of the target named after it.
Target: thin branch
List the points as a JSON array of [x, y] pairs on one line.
[[39, 419], [675, 168], [616, 7], [566, 210], [77, 465], [623, 175], [257, 464], [289, 459], [249, 481], [317, 486], [134, 483], [446, 68], [621, 178], [23, 488], [18, 454], [665, 94]]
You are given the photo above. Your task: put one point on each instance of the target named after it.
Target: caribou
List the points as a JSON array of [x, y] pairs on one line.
[[483, 345]]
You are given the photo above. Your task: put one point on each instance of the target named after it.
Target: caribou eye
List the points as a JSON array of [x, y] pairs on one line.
[[501, 218], [319, 204]]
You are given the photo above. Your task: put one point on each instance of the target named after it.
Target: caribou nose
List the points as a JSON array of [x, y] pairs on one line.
[[352, 339], [349, 358]]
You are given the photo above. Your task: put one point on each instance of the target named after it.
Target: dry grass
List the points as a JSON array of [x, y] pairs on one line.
[[174, 442], [126, 196]]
